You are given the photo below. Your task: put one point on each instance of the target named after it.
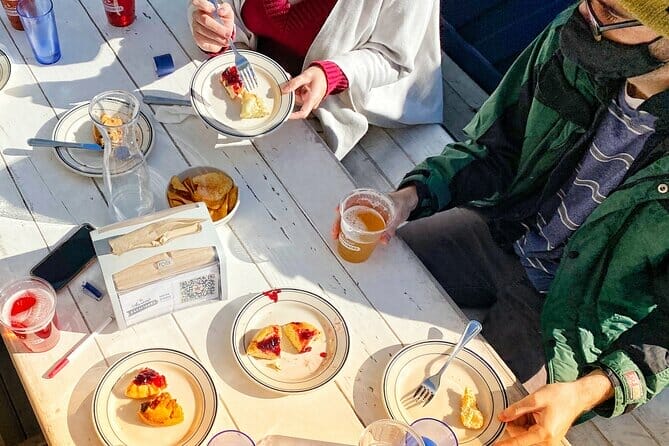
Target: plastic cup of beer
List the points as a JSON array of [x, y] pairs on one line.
[[390, 433], [28, 310], [365, 214]]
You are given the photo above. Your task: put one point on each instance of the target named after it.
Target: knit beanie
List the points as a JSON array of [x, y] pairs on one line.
[[652, 13]]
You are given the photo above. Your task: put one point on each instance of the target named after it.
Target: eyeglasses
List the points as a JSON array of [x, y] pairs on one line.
[[598, 28]]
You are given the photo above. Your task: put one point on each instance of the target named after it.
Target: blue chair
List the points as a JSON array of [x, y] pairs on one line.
[[485, 36]]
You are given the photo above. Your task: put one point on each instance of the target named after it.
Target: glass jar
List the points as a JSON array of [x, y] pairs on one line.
[[125, 171]]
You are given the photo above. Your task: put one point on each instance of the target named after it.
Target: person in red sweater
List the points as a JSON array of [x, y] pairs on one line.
[[377, 52]]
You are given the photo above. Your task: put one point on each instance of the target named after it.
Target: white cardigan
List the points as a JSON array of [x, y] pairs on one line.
[[390, 53]]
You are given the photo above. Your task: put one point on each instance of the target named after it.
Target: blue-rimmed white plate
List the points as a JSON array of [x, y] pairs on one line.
[[213, 104], [415, 362], [115, 415], [75, 125], [5, 69], [293, 372]]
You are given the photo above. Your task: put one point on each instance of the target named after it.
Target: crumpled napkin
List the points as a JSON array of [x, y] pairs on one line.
[[173, 114], [155, 234]]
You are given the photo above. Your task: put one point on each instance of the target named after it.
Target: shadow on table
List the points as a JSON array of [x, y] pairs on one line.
[[79, 416], [219, 350]]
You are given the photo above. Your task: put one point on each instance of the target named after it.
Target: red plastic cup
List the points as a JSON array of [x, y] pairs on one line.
[[120, 12], [28, 309], [12, 15]]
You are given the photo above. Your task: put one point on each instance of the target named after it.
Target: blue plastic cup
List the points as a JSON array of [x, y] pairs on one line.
[[39, 22]]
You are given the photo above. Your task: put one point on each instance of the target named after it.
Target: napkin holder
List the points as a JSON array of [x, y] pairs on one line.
[[160, 263]]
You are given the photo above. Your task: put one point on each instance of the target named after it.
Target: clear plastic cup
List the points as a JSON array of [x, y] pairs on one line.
[[435, 432], [39, 21], [390, 433], [365, 214], [28, 309], [231, 438]]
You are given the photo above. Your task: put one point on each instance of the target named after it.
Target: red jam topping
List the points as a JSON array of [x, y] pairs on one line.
[[273, 295], [20, 309], [306, 334], [150, 376], [271, 344], [230, 78], [324, 355]]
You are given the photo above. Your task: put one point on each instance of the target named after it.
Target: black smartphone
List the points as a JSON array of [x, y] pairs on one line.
[[68, 258]]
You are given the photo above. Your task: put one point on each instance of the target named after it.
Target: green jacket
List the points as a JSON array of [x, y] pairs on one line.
[[608, 306]]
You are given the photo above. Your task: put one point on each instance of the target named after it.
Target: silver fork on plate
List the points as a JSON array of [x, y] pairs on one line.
[[244, 68], [425, 392]]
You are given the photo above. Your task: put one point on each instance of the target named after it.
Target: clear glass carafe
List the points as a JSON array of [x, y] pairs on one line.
[[125, 171]]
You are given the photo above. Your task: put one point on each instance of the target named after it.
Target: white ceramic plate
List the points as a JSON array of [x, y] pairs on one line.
[[198, 170], [76, 126], [212, 103], [115, 415], [5, 69], [299, 372], [411, 365]]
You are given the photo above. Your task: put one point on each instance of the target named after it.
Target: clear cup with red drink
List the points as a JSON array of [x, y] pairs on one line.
[[12, 15], [119, 12], [28, 309]]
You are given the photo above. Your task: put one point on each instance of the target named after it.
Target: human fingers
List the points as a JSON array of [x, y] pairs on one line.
[[533, 436], [309, 102], [527, 405], [294, 83], [201, 31], [203, 5], [225, 12], [210, 23], [336, 225], [207, 44]]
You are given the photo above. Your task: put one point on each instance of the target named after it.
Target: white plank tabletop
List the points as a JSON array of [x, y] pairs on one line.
[[289, 185]]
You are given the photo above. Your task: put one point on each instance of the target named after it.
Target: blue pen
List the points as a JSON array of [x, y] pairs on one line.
[[92, 291]]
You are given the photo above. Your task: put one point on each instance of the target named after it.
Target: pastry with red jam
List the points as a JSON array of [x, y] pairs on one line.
[[252, 105], [161, 411], [266, 344], [148, 383], [232, 82], [301, 334]]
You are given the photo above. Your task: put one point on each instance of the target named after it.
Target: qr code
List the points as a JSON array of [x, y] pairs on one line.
[[198, 288]]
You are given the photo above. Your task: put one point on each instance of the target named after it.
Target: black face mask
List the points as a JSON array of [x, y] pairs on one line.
[[605, 60]]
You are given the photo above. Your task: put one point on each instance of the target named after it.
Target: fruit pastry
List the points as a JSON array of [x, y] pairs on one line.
[[148, 383], [161, 411], [300, 334], [115, 134], [266, 344], [470, 415], [252, 105]]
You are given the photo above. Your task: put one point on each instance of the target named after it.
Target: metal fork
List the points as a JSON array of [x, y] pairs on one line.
[[425, 392], [244, 68]]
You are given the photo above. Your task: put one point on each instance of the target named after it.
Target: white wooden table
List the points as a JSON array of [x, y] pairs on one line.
[[289, 185]]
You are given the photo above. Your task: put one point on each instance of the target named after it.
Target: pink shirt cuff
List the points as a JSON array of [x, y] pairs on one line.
[[337, 80]]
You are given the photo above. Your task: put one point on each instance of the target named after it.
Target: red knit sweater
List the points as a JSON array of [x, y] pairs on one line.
[[290, 30]]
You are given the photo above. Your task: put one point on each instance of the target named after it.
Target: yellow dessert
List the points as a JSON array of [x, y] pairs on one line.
[[252, 106], [300, 334], [266, 344], [470, 415], [161, 411]]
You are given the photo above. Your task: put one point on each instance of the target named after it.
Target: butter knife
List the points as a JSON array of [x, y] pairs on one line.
[[160, 100], [40, 142]]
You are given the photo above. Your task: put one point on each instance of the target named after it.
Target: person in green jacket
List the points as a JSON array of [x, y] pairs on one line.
[[555, 214]]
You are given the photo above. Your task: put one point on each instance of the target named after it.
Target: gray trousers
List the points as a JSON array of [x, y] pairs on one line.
[[457, 248]]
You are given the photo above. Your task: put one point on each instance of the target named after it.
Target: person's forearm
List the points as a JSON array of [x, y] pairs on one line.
[[594, 389]]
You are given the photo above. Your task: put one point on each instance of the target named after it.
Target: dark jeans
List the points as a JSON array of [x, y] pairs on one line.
[[457, 248]]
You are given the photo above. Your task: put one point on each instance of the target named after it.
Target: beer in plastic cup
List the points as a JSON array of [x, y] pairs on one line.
[[28, 309], [365, 214]]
